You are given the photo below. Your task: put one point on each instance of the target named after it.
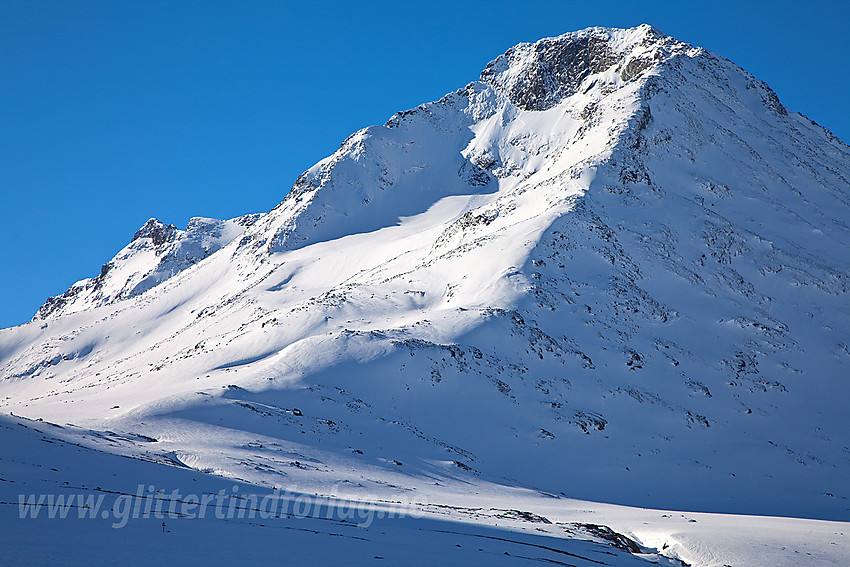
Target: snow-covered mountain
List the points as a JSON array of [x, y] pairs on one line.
[[614, 268]]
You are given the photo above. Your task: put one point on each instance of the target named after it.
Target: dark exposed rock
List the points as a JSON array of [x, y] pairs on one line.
[[554, 68], [157, 231], [538, 76], [618, 540], [521, 515]]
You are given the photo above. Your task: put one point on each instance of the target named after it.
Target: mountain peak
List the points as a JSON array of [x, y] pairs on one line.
[[537, 76], [156, 252], [157, 231], [616, 250]]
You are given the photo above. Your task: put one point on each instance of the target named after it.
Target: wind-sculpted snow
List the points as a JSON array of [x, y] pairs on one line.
[[613, 269]]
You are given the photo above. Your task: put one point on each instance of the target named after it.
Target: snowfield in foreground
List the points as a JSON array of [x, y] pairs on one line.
[[614, 269], [110, 511]]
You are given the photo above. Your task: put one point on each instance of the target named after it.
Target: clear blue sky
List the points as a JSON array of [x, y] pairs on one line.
[[112, 112]]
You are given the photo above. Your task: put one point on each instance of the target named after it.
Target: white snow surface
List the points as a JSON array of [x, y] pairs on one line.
[[615, 269]]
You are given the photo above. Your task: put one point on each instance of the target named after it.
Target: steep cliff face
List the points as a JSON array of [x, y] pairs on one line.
[[615, 267]]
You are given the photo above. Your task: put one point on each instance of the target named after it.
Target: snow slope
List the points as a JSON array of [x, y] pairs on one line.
[[461, 524], [613, 269]]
